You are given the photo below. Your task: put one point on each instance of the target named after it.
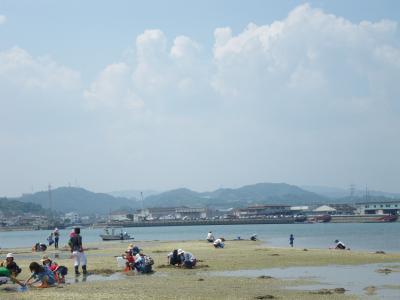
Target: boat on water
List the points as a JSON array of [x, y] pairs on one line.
[[388, 218], [111, 234]]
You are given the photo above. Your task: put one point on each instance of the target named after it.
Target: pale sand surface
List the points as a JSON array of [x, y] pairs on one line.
[[174, 283]]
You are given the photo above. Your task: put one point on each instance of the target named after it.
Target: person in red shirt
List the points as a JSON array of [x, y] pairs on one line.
[[130, 260]]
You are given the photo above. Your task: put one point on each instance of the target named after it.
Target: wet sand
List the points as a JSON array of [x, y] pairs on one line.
[[108, 282]]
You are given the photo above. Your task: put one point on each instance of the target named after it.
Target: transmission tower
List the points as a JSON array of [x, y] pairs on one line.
[[50, 201]]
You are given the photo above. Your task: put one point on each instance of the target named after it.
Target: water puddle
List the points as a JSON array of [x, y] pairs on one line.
[[364, 280], [96, 277], [106, 277]]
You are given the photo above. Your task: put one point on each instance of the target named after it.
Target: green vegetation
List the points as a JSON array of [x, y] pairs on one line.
[[15, 208], [261, 193], [66, 199]]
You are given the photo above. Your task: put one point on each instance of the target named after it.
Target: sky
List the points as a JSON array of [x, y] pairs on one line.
[[116, 95]]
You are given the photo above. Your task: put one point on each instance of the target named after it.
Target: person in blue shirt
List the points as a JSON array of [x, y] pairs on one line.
[[41, 274], [291, 240]]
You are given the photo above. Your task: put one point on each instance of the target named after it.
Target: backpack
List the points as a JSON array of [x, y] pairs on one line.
[[62, 270], [148, 261]]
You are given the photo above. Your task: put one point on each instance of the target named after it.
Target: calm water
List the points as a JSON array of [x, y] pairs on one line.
[[355, 279], [368, 236]]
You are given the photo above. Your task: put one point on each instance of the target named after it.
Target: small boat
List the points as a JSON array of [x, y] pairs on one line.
[[323, 218], [110, 234], [387, 218]]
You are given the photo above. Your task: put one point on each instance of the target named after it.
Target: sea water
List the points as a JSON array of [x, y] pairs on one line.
[[358, 236]]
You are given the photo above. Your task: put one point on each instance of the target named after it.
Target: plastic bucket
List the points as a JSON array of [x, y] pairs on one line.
[[120, 262]]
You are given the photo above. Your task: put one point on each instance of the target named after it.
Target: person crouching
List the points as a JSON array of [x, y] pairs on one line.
[[41, 274], [130, 260], [219, 243], [189, 261]]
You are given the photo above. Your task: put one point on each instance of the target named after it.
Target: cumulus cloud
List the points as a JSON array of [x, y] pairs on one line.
[[112, 88], [19, 69], [309, 57], [3, 19], [162, 74], [296, 90]]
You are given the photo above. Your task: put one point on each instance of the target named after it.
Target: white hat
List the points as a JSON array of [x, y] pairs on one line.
[[10, 255], [180, 251]]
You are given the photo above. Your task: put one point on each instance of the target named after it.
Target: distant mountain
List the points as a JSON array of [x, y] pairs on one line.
[[67, 199], [261, 193], [178, 197], [14, 208], [333, 192], [133, 193]]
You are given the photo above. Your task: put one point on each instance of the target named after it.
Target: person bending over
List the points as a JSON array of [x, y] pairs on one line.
[[41, 274]]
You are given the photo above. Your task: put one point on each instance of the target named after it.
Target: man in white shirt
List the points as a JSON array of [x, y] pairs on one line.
[[210, 237]]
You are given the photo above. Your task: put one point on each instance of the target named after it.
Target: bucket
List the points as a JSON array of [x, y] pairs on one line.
[[120, 262]]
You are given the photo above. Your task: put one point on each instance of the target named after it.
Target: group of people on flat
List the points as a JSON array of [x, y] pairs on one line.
[[137, 261], [43, 274], [47, 272]]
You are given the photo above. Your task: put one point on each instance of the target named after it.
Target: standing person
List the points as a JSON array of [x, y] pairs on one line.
[[75, 243], [50, 239], [56, 237], [210, 237], [291, 240]]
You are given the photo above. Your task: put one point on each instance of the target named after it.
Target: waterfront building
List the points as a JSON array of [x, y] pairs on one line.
[[263, 211], [335, 209], [191, 213], [119, 215], [379, 207], [73, 217], [171, 213]]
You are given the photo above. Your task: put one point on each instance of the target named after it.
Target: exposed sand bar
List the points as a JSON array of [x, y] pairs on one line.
[[173, 283]]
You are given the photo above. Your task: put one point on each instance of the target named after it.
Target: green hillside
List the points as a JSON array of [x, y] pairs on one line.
[[261, 193], [14, 208], [67, 199]]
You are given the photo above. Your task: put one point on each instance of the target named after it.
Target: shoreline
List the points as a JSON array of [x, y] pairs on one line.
[[335, 219]]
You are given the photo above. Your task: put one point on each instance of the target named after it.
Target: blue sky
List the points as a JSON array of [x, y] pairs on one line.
[[163, 94], [73, 31]]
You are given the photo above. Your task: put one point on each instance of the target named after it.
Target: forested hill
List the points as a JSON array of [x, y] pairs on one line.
[[14, 208], [68, 199], [261, 193]]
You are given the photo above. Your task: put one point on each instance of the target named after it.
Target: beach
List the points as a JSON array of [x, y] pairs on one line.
[[212, 276]]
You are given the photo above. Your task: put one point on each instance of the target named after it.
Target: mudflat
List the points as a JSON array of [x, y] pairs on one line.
[[107, 281]]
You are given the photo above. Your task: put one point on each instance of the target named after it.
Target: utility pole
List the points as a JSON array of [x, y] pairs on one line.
[[50, 202], [352, 192]]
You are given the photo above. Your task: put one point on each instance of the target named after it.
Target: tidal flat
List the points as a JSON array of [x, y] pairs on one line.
[[109, 282]]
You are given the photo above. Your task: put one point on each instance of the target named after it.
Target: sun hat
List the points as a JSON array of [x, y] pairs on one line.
[[44, 258], [180, 251], [10, 255]]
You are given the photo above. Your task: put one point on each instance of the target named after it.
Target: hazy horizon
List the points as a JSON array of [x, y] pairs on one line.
[[165, 94]]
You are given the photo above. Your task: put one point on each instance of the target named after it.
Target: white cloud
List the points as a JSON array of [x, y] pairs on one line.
[[112, 88], [3, 19], [162, 75], [19, 69], [309, 55]]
